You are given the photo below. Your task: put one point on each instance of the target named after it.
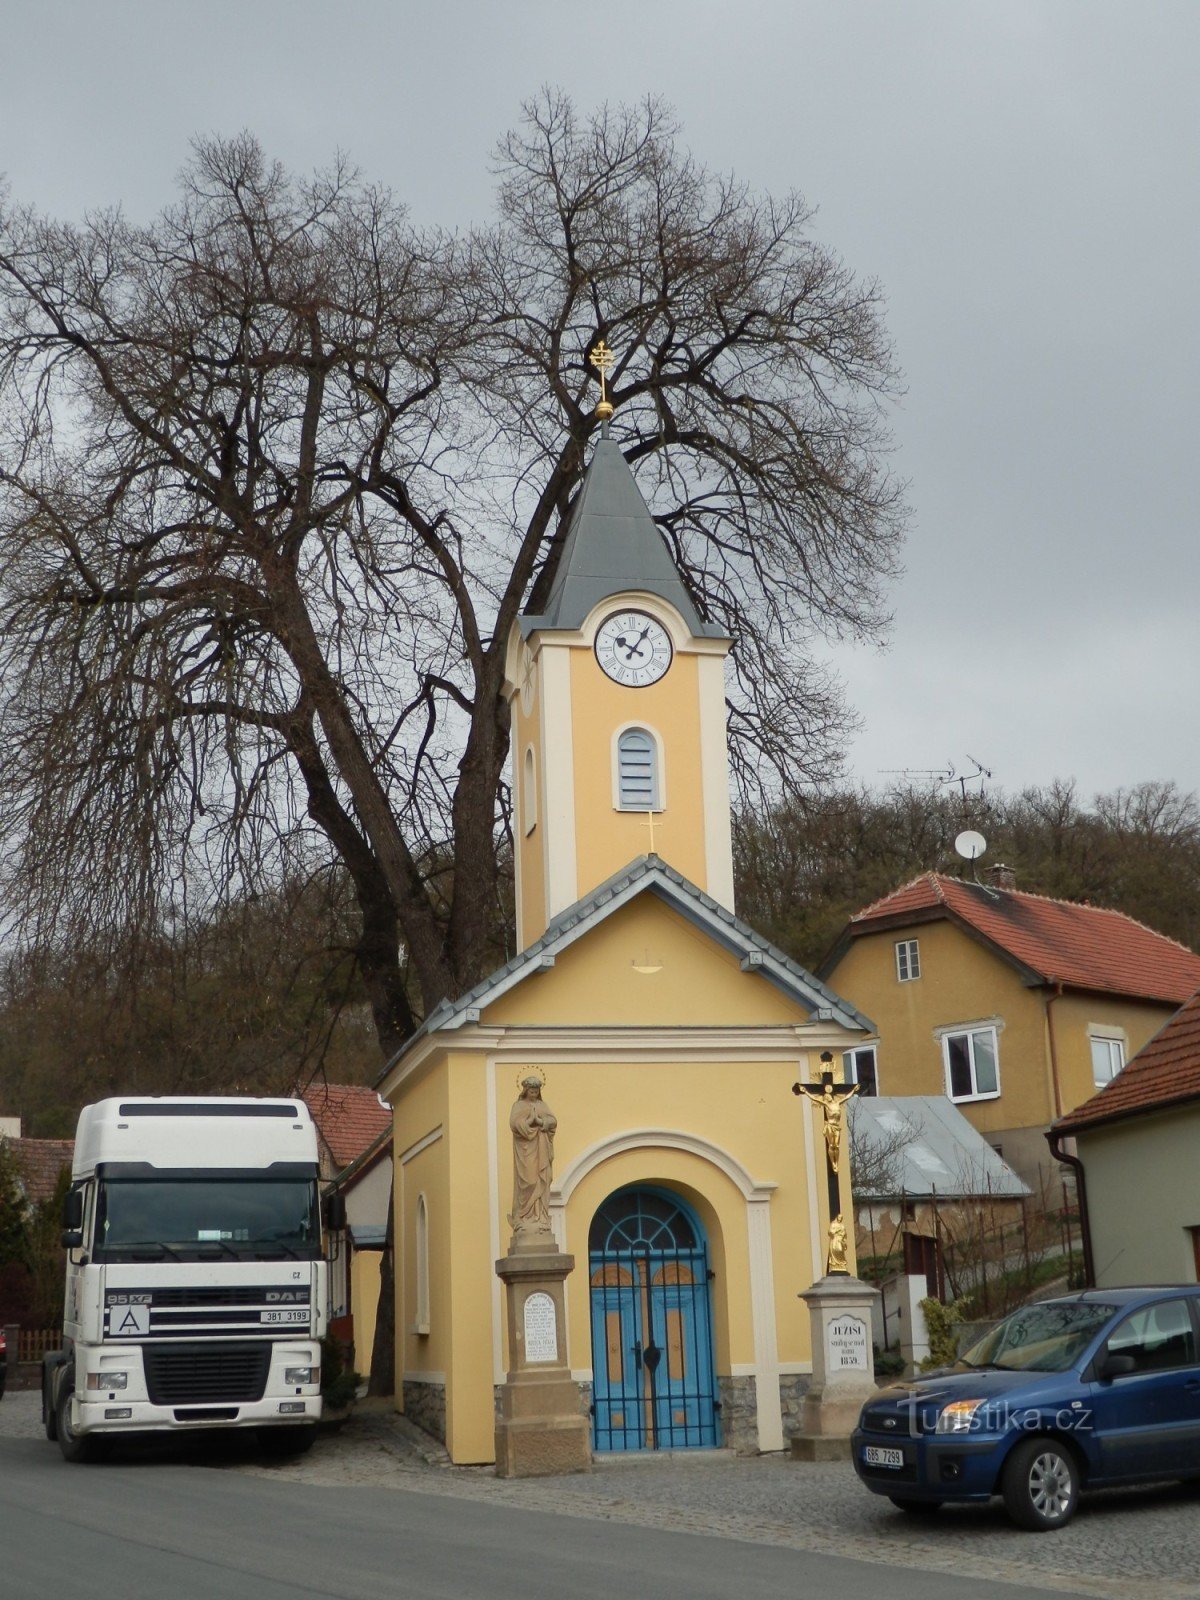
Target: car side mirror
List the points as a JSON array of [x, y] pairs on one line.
[[1115, 1366], [72, 1238], [73, 1210], [334, 1207]]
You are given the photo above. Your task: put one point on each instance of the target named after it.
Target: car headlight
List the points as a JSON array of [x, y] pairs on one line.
[[958, 1416], [302, 1375], [107, 1380]]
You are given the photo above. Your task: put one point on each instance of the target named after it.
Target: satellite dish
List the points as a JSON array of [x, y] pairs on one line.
[[970, 845]]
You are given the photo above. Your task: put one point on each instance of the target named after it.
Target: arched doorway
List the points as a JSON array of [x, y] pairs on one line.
[[653, 1384]]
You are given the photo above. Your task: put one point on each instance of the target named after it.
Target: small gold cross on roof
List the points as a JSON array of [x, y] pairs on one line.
[[651, 824], [602, 358]]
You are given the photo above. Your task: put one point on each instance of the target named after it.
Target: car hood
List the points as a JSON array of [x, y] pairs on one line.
[[955, 1384]]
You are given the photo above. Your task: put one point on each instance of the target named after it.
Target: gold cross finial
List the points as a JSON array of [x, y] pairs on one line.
[[650, 823], [602, 358]]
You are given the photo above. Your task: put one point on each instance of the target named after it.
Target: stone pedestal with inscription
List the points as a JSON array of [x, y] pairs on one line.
[[843, 1367], [540, 1429]]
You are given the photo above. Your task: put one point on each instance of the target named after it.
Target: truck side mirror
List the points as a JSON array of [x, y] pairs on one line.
[[334, 1207], [73, 1210], [72, 1237]]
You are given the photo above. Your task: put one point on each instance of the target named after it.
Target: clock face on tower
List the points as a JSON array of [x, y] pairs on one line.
[[633, 649]]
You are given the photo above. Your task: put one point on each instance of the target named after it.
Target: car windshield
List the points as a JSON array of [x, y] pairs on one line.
[[1049, 1337], [197, 1217]]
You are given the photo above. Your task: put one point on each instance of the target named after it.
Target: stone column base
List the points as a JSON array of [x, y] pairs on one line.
[[539, 1447], [539, 1430]]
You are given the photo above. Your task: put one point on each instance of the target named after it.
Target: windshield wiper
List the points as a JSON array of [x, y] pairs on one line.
[[221, 1244], [149, 1244], [277, 1244]]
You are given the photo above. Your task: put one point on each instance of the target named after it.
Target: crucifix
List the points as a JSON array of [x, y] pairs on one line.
[[832, 1100], [651, 824], [602, 358]]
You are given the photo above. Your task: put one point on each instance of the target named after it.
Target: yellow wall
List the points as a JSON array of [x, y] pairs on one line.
[[364, 1305], [595, 979], [607, 838]]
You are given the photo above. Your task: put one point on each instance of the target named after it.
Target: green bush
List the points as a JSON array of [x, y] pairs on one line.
[[941, 1322], [339, 1385], [888, 1363]]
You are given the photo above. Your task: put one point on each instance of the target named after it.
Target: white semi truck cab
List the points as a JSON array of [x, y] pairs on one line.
[[196, 1287]]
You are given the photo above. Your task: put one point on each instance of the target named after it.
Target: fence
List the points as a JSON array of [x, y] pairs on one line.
[[32, 1343]]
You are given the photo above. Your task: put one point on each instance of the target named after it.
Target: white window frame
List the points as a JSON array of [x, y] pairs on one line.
[[1109, 1037], [660, 768], [992, 1025], [529, 796], [421, 1321], [911, 960], [850, 1063]]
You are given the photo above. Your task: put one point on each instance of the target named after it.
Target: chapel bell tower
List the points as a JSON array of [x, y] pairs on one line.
[[618, 698]]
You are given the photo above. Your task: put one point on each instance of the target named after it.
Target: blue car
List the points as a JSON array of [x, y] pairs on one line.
[[1084, 1391]]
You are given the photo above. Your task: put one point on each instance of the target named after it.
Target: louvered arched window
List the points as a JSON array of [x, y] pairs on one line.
[[638, 786]]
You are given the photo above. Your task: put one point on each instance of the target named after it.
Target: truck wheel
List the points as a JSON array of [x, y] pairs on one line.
[[1040, 1484], [49, 1419], [287, 1441], [74, 1446]]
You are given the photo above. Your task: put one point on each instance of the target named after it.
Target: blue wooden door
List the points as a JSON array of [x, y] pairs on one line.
[[652, 1350]]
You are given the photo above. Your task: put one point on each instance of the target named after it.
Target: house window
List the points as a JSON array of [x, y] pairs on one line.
[[1108, 1057], [908, 960], [421, 1324], [637, 771], [859, 1067], [529, 792], [972, 1060]]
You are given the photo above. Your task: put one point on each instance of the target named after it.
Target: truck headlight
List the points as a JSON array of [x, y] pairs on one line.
[[107, 1380], [302, 1375], [958, 1416]]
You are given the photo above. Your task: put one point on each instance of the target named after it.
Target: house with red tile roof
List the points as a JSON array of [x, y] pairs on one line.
[[1016, 1006], [40, 1163], [350, 1117], [1137, 1148], [354, 1134]]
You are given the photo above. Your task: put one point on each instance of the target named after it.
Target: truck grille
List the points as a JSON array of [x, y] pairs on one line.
[[199, 1374], [196, 1311]]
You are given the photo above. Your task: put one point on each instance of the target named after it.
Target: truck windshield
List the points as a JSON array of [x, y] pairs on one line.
[[1050, 1337], [197, 1217]]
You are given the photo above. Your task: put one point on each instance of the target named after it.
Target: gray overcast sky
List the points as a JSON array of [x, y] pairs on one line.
[[1020, 177]]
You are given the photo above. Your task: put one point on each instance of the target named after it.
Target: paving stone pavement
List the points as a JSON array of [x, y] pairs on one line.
[[1141, 1544]]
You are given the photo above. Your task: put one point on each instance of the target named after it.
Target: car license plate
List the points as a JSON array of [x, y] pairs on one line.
[[292, 1318], [875, 1456]]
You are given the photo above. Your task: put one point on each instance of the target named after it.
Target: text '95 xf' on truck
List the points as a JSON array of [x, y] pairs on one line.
[[196, 1287]]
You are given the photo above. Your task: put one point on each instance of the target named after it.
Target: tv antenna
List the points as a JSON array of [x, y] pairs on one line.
[[945, 777]]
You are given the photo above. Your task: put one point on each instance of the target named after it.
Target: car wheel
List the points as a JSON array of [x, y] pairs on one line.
[[915, 1508], [74, 1446], [1040, 1484]]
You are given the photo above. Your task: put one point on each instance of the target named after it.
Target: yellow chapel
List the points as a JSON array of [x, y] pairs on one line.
[[689, 1184]]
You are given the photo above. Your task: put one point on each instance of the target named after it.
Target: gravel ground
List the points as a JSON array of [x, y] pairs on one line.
[[1137, 1544]]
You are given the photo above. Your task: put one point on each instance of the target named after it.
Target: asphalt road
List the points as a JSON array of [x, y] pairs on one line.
[[142, 1529]]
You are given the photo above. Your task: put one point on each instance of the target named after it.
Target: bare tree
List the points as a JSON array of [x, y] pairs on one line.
[[278, 471]]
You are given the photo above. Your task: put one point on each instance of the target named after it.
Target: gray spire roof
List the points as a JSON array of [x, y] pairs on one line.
[[612, 547]]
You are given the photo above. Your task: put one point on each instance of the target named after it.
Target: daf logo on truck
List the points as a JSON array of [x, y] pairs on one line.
[[196, 1290]]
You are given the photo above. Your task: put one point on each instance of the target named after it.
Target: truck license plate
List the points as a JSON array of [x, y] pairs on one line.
[[292, 1318], [875, 1456]]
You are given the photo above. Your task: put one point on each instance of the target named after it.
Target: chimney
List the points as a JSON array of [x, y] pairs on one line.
[[1002, 877]]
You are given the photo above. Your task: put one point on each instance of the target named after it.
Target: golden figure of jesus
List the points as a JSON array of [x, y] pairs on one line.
[[833, 1109]]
